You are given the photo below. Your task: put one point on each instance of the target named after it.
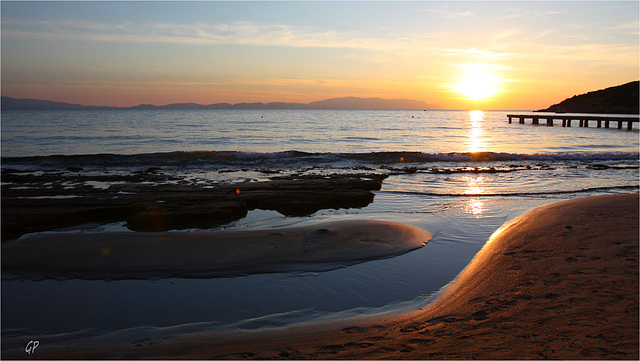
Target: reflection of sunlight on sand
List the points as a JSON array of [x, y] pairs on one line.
[[475, 143]]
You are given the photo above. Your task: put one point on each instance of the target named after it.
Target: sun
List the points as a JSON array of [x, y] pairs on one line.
[[477, 82]]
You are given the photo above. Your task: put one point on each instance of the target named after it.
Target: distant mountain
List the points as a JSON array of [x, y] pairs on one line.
[[371, 103], [621, 99], [35, 104], [9, 103]]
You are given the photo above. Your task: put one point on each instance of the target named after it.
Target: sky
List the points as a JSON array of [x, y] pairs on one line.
[[512, 55]]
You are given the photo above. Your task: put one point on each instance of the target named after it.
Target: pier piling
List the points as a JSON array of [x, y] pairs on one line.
[[583, 121]]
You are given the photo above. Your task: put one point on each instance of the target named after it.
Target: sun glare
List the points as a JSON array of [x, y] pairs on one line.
[[475, 138], [477, 82]]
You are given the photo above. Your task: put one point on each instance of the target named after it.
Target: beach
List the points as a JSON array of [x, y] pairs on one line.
[[559, 282]]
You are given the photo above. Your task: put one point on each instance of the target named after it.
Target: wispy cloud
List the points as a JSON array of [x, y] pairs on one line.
[[526, 13], [475, 53], [626, 28], [237, 32], [380, 47], [456, 14], [447, 13]]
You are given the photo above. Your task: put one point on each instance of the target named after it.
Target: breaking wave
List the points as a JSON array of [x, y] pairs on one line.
[[625, 188], [295, 158]]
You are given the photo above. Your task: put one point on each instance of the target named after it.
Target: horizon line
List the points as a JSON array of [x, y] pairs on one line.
[[141, 106]]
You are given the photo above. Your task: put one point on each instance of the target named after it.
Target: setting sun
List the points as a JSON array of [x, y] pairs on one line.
[[477, 82]]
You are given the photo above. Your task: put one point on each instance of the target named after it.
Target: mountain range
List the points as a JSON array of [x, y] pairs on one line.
[[9, 103]]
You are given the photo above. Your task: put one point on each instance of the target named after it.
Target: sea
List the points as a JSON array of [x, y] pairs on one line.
[[458, 174]]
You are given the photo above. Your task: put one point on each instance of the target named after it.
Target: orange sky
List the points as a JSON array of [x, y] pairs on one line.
[[460, 55]]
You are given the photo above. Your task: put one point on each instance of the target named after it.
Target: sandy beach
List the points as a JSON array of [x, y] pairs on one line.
[[559, 282]]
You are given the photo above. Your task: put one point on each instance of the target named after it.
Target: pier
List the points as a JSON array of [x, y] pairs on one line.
[[599, 121]]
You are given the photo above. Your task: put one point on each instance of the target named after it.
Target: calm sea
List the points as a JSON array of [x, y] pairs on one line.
[[37, 133], [470, 173]]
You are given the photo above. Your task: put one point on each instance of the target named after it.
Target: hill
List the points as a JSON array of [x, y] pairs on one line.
[[621, 99], [9, 103], [371, 103], [36, 104]]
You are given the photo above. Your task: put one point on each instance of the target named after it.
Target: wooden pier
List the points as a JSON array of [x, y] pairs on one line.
[[582, 120]]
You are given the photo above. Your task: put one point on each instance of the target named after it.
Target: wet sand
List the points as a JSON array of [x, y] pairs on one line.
[[147, 255], [559, 282]]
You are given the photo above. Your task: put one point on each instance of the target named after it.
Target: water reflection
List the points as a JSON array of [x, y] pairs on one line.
[[474, 186], [474, 206], [475, 142]]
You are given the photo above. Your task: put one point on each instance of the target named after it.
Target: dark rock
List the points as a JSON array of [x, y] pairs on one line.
[[35, 203], [159, 219]]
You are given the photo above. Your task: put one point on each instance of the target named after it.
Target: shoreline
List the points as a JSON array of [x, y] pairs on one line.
[[561, 281]]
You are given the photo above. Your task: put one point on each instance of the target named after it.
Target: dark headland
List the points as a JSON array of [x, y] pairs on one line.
[[621, 99], [9, 103]]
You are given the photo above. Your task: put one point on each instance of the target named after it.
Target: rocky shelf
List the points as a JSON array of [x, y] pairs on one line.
[[153, 201]]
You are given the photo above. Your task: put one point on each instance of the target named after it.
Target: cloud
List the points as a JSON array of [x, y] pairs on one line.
[[527, 13], [446, 13], [456, 14], [475, 53], [237, 32], [626, 28]]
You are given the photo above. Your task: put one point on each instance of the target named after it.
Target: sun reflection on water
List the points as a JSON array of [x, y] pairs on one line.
[[475, 142], [474, 186], [474, 206]]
